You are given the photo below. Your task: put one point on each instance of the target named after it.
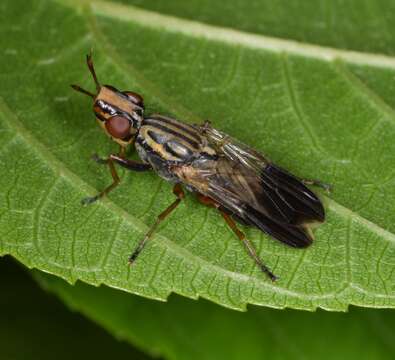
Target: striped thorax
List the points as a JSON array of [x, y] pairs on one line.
[[163, 141]]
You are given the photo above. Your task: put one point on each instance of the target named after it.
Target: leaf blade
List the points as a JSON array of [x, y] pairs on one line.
[[195, 255]]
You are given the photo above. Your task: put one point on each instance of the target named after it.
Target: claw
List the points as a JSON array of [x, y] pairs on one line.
[[89, 200], [98, 159], [326, 187], [265, 270]]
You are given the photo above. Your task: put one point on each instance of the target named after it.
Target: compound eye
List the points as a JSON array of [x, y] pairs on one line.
[[135, 98], [118, 127]]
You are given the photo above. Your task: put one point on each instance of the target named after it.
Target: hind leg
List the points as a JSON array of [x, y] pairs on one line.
[[247, 244], [322, 185]]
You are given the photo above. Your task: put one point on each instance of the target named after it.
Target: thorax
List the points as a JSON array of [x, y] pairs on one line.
[[164, 141]]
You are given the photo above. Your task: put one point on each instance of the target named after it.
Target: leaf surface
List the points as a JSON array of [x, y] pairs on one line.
[[365, 25], [320, 112]]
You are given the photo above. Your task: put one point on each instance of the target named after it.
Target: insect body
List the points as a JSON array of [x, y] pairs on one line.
[[238, 181]]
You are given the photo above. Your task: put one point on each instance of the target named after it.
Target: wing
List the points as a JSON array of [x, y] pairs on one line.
[[285, 197], [259, 193]]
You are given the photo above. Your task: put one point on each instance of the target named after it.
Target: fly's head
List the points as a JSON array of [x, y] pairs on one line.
[[119, 113]]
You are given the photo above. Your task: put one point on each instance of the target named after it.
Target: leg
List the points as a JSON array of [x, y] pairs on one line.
[[247, 244], [129, 164], [177, 191], [249, 247], [122, 161], [115, 182], [326, 187], [206, 125]]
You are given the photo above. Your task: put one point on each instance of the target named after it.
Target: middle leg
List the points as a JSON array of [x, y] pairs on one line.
[[179, 193]]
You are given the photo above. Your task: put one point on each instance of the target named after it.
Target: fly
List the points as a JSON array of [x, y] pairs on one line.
[[238, 181]]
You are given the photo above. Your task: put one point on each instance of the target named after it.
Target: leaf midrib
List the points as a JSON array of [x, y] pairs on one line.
[[230, 36]]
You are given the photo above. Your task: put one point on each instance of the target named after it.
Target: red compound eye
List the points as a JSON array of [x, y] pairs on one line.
[[135, 98], [118, 127]]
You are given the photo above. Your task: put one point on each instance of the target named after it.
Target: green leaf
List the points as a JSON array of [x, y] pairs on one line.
[[37, 326], [354, 25], [320, 112], [185, 329]]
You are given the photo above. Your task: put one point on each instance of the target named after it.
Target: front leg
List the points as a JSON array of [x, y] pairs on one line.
[[124, 162], [119, 159]]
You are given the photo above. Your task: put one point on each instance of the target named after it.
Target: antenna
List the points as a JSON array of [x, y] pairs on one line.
[[91, 68], [89, 62], [81, 90]]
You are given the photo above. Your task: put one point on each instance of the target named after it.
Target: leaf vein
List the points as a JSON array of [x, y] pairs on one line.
[[129, 13]]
